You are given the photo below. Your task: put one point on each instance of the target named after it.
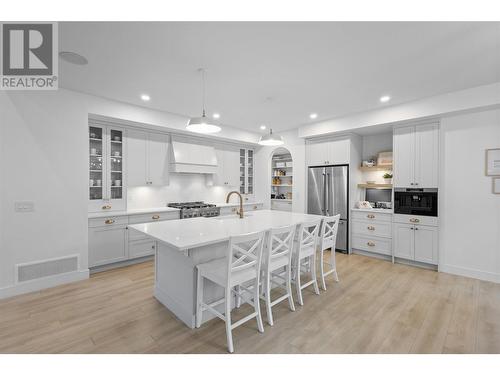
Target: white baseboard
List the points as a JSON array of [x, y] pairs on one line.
[[43, 283], [469, 272]]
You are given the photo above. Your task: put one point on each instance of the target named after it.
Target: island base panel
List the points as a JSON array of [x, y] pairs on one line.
[[175, 280]]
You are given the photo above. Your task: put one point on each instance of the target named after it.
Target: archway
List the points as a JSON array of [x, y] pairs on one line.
[[281, 180]]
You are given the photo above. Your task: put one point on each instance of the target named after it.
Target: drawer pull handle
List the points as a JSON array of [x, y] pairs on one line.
[[106, 207], [415, 220], [155, 217], [254, 207], [370, 216], [370, 227], [369, 243], [109, 221]]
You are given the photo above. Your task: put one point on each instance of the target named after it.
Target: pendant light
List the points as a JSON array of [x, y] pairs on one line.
[[202, 124], [271, 139]]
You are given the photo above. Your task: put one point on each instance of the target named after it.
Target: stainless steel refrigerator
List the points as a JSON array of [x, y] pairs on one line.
[[327, 194]]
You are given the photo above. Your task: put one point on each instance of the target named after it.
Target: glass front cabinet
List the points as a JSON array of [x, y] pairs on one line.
[[246, 171], [106, 168]]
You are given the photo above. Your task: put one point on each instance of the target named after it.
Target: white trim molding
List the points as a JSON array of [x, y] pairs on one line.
[[43, 283], [470, 272]]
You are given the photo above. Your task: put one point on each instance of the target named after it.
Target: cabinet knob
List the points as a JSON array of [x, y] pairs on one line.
[[155, 217], [254, 207], [370, 216], [106, 207], [370, 227], [109, 221], [415, 220], [369, 243]]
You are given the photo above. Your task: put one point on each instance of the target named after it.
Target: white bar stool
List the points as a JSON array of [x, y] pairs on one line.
[[278, 256], [327, 240], [306, 249], [241, 265]]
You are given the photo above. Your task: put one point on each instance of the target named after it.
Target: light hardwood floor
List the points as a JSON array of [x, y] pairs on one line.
[[377, 307]]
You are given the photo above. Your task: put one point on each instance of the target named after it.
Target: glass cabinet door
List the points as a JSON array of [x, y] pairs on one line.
[[115, 164], [250, 172], [96, 171], [242, 171], [106, 169]]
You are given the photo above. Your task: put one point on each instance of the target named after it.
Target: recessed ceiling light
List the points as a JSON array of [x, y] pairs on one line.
[[385, 98], [145, 97], [73, 58], [312, 116], [216, 115], [263, 127]]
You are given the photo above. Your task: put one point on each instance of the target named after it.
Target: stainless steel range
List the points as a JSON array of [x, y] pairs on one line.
[[196, 209]]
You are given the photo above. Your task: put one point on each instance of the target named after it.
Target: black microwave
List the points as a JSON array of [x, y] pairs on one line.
[[422, 202]]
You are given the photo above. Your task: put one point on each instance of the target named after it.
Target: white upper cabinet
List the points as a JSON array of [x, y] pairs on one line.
[[228, 167], [416, 156], [327, 152], [426, 156], [404, 159], [147, 158], [158, 153], [137, 151]]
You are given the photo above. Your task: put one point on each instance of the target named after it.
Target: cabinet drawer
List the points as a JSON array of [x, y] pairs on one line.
[[416, 219], [372, 216], [375, 228], [373, 244], [154, 216], [108, 221], [138, 249]]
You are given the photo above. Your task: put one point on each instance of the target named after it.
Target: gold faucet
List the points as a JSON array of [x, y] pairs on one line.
[[240, 212]]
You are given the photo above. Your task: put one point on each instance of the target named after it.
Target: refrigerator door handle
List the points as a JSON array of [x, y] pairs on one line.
[[324, 194], [327, 190]]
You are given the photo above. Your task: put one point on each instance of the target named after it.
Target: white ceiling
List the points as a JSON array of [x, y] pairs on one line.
[[278, 73]]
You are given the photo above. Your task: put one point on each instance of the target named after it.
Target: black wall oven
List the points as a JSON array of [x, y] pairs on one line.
[[416, 202]]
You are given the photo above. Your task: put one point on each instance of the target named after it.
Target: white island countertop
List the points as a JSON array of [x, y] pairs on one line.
[[200, 231]]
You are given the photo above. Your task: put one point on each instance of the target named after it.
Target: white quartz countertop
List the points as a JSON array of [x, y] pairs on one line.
[[138, 211], [381, 210], [200, 231]]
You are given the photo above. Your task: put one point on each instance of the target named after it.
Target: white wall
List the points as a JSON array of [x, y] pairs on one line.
[[469, 212], [263, 156], [44, 159], [375, 143]]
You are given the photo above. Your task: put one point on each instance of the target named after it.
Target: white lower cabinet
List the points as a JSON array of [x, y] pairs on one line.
[[139, 249], [372, 231], [404, 243], [426, 244], [416, 242], [108, 243], [111, 242], [281, 206]]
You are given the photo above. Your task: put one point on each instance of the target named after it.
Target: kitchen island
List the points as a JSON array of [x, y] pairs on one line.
[[183, 244]]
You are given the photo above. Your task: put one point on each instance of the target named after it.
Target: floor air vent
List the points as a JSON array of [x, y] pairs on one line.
[[32, 271]]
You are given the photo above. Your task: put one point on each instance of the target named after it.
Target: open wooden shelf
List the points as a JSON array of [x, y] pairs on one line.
[[375, 186], [376, 168]]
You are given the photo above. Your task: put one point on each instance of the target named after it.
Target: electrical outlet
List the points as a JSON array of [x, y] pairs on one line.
[[25, 206]]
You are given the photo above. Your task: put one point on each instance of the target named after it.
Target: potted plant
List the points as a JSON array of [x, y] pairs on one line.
[[387, 178]]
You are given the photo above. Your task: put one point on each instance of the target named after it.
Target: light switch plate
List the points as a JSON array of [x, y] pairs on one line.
[[25, 206]]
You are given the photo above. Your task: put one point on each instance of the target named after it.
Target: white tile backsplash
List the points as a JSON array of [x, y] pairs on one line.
[[182, 188]]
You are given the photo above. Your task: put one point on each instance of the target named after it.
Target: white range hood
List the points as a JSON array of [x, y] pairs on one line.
[[192, 158]]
